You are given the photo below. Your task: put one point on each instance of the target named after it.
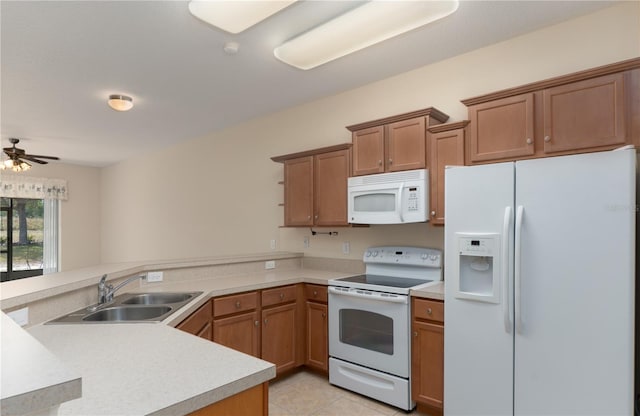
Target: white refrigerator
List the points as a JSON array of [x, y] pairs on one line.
[[539, 286]]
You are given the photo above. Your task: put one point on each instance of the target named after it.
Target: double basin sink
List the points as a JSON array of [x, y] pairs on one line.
[[131, 307]]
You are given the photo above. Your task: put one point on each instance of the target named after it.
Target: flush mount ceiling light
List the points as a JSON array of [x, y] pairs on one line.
[[120, 102], [359, 28], [235, 16]]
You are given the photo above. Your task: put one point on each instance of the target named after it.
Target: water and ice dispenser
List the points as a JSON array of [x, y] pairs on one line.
[[479, 267]]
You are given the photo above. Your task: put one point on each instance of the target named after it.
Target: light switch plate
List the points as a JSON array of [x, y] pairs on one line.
[[154, 276]]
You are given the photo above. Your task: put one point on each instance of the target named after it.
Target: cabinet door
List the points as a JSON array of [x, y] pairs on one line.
[[279, 336], [444, 149], [501, 129], [585, 115], [198, 321], [427, 363], [406, 141], [317, 337], [298, 191], [240, 332], [368, 151], [330, 202]]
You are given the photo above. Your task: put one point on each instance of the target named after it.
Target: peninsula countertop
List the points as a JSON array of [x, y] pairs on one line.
[[148, 368]]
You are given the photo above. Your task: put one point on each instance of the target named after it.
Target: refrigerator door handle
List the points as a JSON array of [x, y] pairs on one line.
[[517, 265], [506, 293]]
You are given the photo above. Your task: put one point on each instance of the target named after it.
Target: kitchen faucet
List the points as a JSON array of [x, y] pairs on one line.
[[106, 291]]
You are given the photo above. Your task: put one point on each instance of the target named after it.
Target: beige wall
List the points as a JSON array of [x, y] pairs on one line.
[[79, 215], [222, 197]]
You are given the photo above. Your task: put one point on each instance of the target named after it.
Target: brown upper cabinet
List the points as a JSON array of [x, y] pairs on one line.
[[394, 143], [315, 186], [586, 111], [445, 147]]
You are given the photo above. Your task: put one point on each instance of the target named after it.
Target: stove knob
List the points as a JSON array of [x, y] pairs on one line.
[[424, 256], [367, 254], [375, 254], [433, 257]]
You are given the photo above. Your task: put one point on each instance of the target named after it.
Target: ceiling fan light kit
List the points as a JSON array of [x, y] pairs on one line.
[[120, 102], [364, 26], [17, 158]]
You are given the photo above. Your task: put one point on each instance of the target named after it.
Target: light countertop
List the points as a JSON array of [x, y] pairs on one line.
[[33, 378], [148, 369]]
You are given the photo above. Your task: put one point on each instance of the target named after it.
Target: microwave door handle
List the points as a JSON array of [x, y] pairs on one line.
[[400, 207]]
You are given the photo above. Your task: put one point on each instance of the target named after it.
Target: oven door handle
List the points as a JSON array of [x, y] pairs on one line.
[[375, 296]]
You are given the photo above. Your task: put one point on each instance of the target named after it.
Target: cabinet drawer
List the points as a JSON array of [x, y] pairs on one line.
[[317, 293], [277, 295], [428, 309], [196, 322], [227, 305]]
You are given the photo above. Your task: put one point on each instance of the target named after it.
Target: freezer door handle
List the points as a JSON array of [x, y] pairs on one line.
[[506, 293], [517, 265]]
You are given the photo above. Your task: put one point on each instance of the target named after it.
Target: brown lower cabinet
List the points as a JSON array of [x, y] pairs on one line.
[[427, 355], [254, 401], [317, 331]]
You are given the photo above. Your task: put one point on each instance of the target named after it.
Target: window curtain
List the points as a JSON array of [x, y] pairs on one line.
[[19, 186], [50, 236], [51, 191]]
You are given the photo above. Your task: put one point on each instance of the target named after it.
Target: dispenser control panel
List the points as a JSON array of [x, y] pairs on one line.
[[477, 246]]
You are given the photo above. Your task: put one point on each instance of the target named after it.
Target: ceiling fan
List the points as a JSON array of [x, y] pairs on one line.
[[18, 158]]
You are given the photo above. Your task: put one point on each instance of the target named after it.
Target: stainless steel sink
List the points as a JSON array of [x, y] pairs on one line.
[[157, 298], [127, 313], [130, 307]]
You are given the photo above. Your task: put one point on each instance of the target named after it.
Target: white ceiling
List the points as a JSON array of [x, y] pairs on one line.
[[61, 59]]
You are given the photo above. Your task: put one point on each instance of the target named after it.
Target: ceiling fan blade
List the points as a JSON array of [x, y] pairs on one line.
[[30, 158], [42, 157]]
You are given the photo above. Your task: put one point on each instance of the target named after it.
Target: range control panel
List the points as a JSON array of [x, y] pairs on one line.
[[402, 255]]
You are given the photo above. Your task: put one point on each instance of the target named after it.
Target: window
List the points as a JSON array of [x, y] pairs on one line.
[[28, 237]]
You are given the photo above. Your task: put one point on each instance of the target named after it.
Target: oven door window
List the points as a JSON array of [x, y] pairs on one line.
[[368, 330]]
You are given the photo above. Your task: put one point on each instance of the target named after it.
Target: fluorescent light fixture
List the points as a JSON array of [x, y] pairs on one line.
[[359, 28], [237, 15]]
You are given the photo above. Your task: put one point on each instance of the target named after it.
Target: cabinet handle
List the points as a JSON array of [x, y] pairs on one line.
[[429, 311], [316, 216], [547, 139], [390, 161], [415, 334], [281, 296], [324, 315], [315, 293], [433, 213], [379, 162], [237, 304], [257, 323], [529, 141], [308, 217], [265, 322]]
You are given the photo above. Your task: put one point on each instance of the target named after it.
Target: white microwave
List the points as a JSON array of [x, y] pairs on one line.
[[389, 198]]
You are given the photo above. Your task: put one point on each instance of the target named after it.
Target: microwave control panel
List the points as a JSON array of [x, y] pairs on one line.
[[412, 198]]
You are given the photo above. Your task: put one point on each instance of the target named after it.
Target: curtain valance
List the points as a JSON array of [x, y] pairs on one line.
[[19, 186]]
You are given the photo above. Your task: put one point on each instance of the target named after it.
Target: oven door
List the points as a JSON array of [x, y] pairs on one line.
[[370, 328]]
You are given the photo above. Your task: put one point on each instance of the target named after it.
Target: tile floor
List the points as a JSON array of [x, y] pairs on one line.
[[308, 394]]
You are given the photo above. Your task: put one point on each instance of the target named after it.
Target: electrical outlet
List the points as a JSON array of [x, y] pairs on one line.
[[306, 241], [20, 316], [154, 276], [346, 247], [271, 264]]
